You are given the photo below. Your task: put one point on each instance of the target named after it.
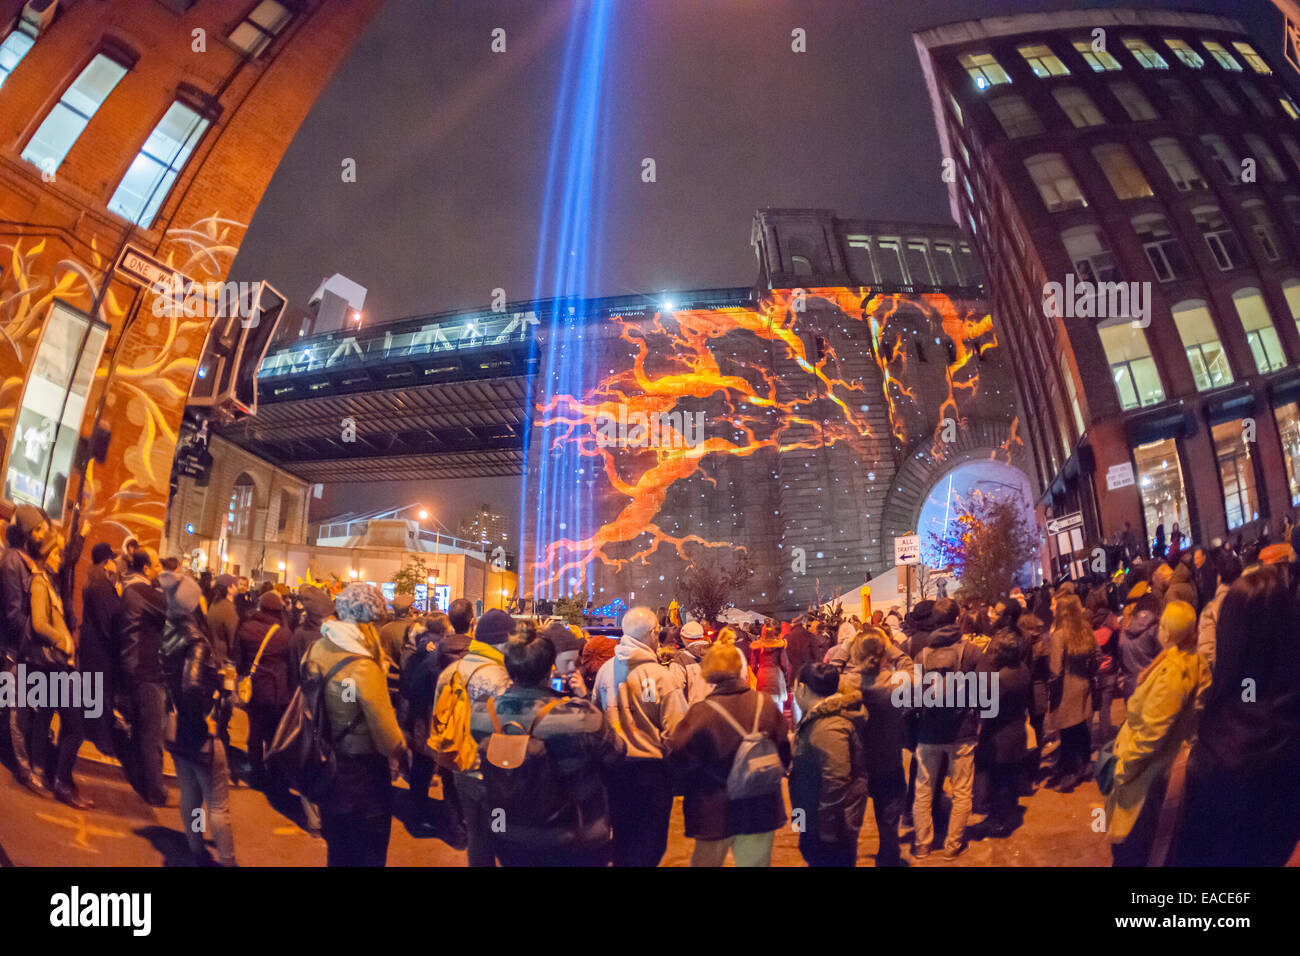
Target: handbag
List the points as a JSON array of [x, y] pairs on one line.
[[1104, 769], [244, 688]]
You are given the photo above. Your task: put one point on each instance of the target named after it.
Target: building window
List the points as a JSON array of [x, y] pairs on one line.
[[890, 262], [800, 266], [956, 110], [1201, 343], [286, 508], [1071, 393], [1123, 172], [1092, 258], [1054, 181], [918, 264], [1261, 227], [1221, 56], [241, 507], [1288, 429], [14, 48], [1132, 369], [1288, 106], [1262, 106], [984, 70], [1100, 60], [1144, 54], [1042, 60], [1186, 55], [1182, 171], [1164, 251], [1135, 104], [1078, 106], [1015, 116], [1236, 473], [1160, 483], [1266, 157], [1264, 343], [1252, 58], [945, 262], [60, 129], [1291, 290], [262, 25], [1222, 98], [1221, 155], [142, 190], [1180, 98]]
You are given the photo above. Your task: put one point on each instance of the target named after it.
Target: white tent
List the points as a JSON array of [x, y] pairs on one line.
[[734, 615], [885, 595]]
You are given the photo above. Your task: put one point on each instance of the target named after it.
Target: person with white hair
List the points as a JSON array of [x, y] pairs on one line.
[[643, 701]]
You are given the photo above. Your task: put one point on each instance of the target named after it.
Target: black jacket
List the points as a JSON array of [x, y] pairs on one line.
[[1003, 736], [15, 598], [828, 775], [192, 681], [273, 684], [948, 724], [101, 610], [140, 624]]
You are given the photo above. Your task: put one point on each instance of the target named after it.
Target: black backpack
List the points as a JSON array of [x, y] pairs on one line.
[[302, 752]]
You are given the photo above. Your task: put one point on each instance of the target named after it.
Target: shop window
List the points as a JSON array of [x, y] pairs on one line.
[[1288, 429], [1160, 484], [1236, 473]]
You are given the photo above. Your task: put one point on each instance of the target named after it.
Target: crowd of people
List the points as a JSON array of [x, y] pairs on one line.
[[552, 745]]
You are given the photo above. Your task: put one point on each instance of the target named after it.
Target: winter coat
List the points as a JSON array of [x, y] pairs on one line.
[[393, 635], [15, 597], [948, 724], [640, 697], [1139, 645], [360, 714], [307, 634], [828, 773], [770, 667], [887, 699], [484, 672], [1208, 625], [799, 647], [1074, 677], [223, 624], [685, 666], [192, 680], [451, 648], [1003, 735], [1161, 717], [273, 684], [1182, 585], [141, 623], [101, 608], [700, 750]]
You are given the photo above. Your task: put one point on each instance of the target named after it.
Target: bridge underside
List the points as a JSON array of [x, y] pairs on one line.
[[462, 429]]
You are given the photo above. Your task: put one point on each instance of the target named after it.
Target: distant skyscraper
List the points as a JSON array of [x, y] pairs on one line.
[[486, 527]]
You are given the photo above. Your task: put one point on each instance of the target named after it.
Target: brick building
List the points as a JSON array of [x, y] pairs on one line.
[[154, 123], [1159, 150]]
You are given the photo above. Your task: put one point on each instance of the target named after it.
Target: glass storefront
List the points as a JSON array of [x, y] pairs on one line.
[[1288, 428], [1160, 482], [1236, 473]]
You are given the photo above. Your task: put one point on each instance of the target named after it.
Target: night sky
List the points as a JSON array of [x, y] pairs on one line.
[[451, 141]]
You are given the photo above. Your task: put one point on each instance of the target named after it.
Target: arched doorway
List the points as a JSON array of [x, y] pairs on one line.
[[984, 476]]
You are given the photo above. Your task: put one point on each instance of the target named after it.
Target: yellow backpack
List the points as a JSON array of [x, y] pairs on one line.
[[449, 738]]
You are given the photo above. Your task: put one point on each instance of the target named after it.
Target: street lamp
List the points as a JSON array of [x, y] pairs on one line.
[[352, 573], [424, 514]]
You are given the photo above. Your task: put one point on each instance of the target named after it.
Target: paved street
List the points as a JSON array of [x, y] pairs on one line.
[[122, 830]]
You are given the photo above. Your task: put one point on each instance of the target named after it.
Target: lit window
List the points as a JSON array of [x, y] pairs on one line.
[[1132, 368], [1015, 116], [1291, 290], [1221, 155], [956, 110], [1261, 227], [1091, 256], [1100, 60], [1160, 483], [1054, 181], [1135, 104], [241, 507], [1288, 106], [1265, 347], [1236, 472], [1222, 98], [1252, 58], [1078, 106], [1288, 429], [1219, 236], [1144, 54], [14, 48], [260, 27], [1164, 251], [1257, 99], [1185, 53], [984, 70], [1201, 343], [60, 129], [1266, 157], [1122, 171], [1042, 60], [144, 187], [1221, 56], [1182, 171]]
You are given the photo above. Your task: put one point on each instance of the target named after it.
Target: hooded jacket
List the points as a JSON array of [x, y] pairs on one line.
[[828, 774], [641, 698], [948, 724], [1139, 645], [685, 666], [1182, 585]]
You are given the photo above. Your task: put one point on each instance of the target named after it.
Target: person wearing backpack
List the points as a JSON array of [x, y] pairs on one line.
[[542, 755], [730, 752], [357, 809], [945, 730], [263, 644], [193, 681], [643, 701], [475, 677]]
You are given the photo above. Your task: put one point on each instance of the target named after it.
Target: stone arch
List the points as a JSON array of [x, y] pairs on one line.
[[983, 439]]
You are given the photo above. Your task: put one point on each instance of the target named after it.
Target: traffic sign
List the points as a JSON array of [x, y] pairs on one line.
[[1065, 523], [907, 549], [136, 265]]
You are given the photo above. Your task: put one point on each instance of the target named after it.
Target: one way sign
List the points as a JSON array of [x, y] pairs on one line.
[[1065, 523]]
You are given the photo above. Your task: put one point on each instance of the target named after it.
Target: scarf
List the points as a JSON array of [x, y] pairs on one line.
[[349, 637]]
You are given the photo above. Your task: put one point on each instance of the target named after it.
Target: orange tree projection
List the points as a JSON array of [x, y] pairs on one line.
[[752, 407], [987, 544]]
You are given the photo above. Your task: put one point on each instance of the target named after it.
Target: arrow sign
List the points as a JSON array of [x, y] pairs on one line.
[[1065, 523], [907, 549]]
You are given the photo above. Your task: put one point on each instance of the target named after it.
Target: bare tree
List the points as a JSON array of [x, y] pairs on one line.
[[709, 585]]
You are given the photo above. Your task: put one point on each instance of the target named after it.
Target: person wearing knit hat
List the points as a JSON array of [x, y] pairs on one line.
[[494, 627], [692, 631], [392, 636], [182, 592]]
